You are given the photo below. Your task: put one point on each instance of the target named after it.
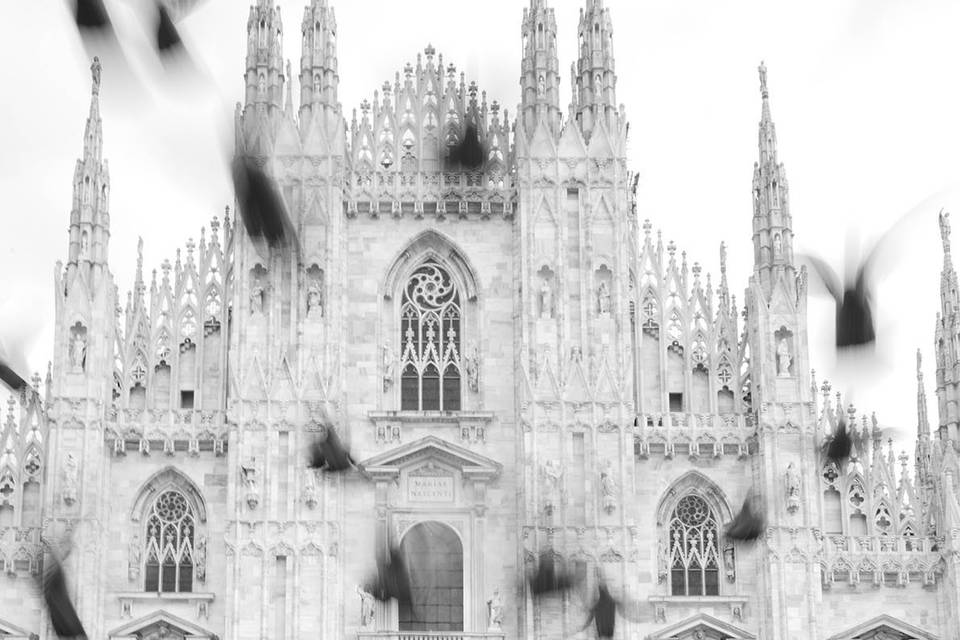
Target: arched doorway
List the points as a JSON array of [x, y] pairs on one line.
[[434, 557]]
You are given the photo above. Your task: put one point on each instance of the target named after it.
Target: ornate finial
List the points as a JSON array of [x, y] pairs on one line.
[[723, 258], [945, 230], [430, 51], [95, 70], [365, 107], [763, 79], [647, 226]]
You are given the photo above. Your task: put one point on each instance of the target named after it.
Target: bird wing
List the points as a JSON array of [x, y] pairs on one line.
[[827, 275], [897, 238]]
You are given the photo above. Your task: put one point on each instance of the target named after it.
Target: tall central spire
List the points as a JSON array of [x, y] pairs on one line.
[[89, 216], [772, 224], [265, 78]]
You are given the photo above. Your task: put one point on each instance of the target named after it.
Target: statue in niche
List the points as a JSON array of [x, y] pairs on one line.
[[777, 246], [553, 474], [495, 611], [783, 359], [473, 369], [608, 488], [78, 350], [71, 473], [314, 301], [200, 558], [793, 488], [603, 297], [729, 566], [366, 607], [256, 298], [262, 85], [133, 558], [389, 367], [84, 244], [546, 300], [249, 476], [541, 86], [309, 488]]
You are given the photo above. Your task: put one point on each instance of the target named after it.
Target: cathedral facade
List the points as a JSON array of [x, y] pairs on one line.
[[518, 363]]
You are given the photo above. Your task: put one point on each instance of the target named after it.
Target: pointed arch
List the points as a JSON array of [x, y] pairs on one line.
[[168, 478], [693, 483], [431, 244]]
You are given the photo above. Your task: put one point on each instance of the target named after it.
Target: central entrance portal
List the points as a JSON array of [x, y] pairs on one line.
[[434, 556]]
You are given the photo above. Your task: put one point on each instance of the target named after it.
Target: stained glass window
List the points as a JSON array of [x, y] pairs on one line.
[[694, 549], [169, 553], [430, 334]]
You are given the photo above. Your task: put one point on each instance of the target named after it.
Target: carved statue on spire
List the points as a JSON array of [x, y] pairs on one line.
[[95, 69], [763, 77]]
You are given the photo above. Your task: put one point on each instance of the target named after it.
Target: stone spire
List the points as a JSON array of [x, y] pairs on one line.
[[540, 69], [772, 224], [265, 75], [595, 80], [318, 62], [945, 343], [89, 216], [923, 430]]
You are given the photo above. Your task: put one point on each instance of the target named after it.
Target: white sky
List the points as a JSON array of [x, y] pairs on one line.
[[864, 94]]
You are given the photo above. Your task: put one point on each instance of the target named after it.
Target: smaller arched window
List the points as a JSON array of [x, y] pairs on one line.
[[171, 528], [694, 549]]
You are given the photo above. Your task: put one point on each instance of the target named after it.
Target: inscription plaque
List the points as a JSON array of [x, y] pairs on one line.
[[430, 488]]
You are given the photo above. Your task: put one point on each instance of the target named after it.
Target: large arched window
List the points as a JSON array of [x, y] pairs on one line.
[[170, 533], [430, 328], [694, 549]]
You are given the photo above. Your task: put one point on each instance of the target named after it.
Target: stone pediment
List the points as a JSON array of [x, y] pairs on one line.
[[9, 631], [389, 464], [701, 627], [161, 625], [884, 627]]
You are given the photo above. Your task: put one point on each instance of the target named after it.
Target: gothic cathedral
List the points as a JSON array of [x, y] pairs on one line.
[[518, 363]]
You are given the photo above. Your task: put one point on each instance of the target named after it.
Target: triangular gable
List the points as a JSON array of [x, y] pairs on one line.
[[893, 628], [709, 628], [10, 631], [469, 462], [155, 619]]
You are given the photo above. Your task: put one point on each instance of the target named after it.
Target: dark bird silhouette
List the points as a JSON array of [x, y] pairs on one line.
[[468, 154], [837, 447], [261, 206], [854, 294], [91, 16], [328, 453], [749, 524], [547, 577], [13, 367], [854, 303], [63, 616], [604, 611], [392, 579], [168, 38]]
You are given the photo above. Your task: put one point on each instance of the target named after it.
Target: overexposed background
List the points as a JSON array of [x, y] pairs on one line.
[[864, 94]]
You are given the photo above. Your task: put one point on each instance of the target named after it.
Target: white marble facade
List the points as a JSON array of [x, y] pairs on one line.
[[517, 360]]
